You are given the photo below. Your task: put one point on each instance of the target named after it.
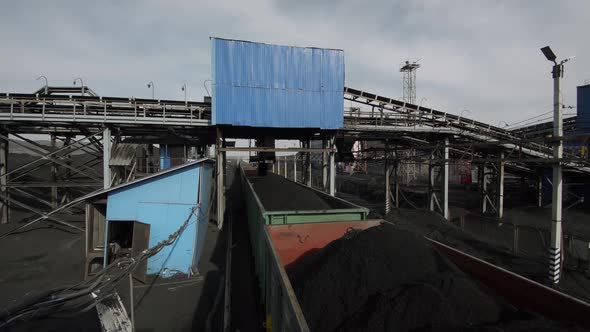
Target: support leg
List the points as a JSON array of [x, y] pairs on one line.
[[431, 183], [555, 250], [445, 179], [220, 180], [53, 174], [540, 191], [324, 166], [285, 166], [3, 181], [308, 156], [387, 171], [106, 157], [332, 166], [500, 194], [295, 168], [484, 189]]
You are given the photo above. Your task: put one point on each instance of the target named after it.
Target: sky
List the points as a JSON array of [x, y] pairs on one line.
[[480, 56]]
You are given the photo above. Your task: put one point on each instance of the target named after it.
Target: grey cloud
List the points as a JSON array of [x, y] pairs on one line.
[[479, 55]]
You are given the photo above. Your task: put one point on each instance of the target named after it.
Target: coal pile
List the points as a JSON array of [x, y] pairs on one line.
[[386, 279], [278, 194]]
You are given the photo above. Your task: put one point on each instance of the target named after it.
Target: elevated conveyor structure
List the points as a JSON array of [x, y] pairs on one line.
[[388, 115]]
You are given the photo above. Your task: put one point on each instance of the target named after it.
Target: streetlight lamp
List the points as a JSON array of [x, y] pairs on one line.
[[81, 83], [555, 250], [151, 85], [461, 115], [505, 124], [184, 89], [46, 84]]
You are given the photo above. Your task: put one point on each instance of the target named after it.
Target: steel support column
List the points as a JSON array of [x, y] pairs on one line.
[[540, 191], [285, 166], [431, 179], [106, 157], [555, 249], [3, 181], [332, 190], [295, 168], [308, 164], [324, 166], [53, 174], [500, 193], [396, 179], [388, 170], [484, 188], [445, 179], [220, 179]]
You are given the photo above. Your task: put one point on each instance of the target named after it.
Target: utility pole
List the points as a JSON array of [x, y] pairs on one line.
[[555, 249]]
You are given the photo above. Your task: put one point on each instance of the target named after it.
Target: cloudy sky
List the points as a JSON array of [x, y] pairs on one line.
[[477, 55]]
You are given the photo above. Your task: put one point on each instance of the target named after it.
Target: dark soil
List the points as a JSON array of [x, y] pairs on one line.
[[387, 279], [290, 197]]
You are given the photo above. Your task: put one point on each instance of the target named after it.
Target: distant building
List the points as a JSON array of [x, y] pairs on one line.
[[127, 219]]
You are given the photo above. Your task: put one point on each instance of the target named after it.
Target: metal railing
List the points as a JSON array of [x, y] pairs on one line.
[[98, 110]]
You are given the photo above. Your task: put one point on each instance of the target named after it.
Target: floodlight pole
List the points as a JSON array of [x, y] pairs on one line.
[[555, 250]]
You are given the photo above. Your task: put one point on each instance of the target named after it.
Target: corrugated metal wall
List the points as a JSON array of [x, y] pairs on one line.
[[164, 202], [264, 85], [583, 109]]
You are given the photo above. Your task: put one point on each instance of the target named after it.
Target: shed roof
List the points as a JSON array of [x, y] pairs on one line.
[[99, 193]]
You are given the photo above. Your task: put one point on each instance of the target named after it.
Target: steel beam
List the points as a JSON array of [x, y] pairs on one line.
[[42, 154]]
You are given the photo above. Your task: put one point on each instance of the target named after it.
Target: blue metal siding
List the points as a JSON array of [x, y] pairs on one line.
[[164, 202], [583, 109], [265, 85]]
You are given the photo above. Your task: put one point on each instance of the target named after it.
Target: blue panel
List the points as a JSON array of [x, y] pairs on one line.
[[164, 202], [583, 109], [165, 157], [265, 85], [204, 206]]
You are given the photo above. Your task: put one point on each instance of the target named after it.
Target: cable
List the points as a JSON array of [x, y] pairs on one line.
[[88, 293]]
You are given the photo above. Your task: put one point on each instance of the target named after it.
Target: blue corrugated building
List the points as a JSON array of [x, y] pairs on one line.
[[264, 85], [139, 214]]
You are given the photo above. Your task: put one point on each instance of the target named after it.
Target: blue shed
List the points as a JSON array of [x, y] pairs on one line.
[[139, 214], [263, 85]]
